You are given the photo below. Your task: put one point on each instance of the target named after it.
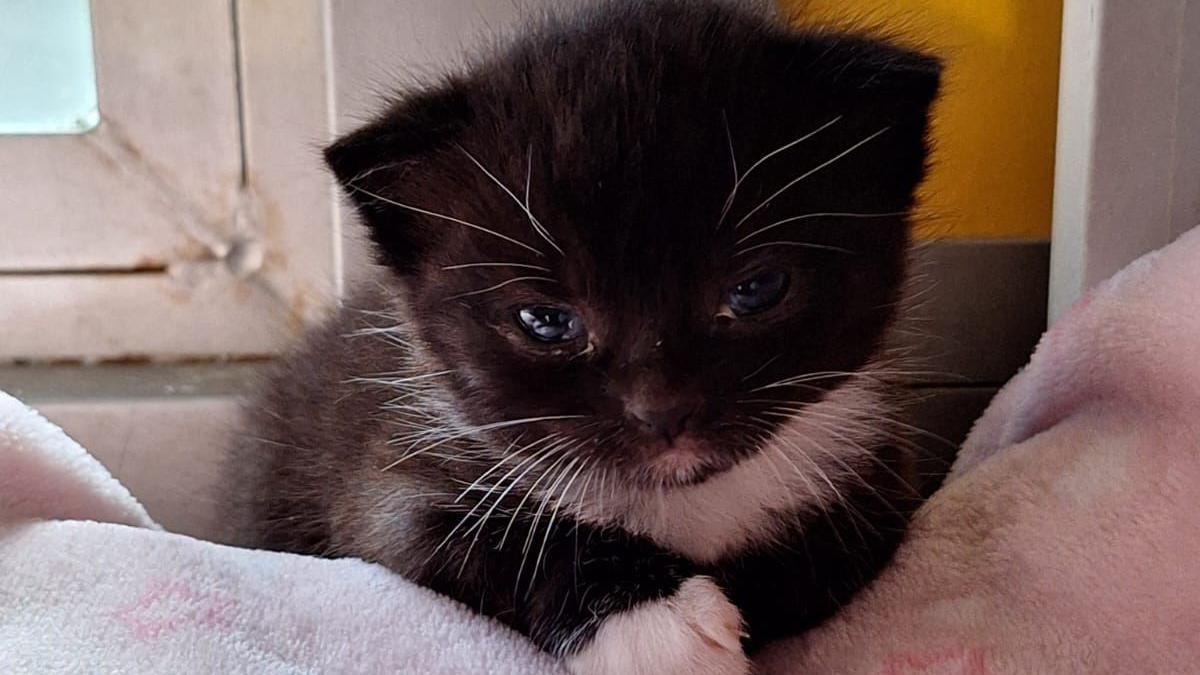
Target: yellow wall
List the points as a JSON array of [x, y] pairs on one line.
[[994, 126]]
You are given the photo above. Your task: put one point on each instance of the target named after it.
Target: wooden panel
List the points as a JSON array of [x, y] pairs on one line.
[[123, 316], [69, 382], [158, 179], [288, 111], [1128, 163], [232, 265]]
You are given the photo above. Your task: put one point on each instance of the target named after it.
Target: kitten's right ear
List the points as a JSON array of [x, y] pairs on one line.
[[370, 163], [866, 68]]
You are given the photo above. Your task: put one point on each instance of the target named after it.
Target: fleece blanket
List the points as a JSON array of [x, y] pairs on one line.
[[1067, 539], [90, 584]]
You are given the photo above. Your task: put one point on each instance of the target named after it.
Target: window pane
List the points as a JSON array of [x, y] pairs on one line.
[[47, 75]]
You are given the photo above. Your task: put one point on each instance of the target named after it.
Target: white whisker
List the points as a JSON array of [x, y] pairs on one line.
[[807, 216], [550, 524], [537, 458], [434, 214], [807, 174], [524, 206], [397, 382], [465, 266], [801, 244], [761, 368], [737, 183], [737, 178], [464, 433], [552, 470], [479, 504], [500, 285], [537, 561], [564, 449], [505, 456], [838, 496]]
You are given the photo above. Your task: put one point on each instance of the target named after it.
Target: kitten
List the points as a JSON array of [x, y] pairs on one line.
[[618, 384]]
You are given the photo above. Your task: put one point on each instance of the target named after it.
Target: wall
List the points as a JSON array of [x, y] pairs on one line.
[[994, 129]]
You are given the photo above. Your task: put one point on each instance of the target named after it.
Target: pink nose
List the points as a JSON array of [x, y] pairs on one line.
[[663, 419]]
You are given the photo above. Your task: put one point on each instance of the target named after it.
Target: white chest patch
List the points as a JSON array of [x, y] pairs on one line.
[[801, 469]]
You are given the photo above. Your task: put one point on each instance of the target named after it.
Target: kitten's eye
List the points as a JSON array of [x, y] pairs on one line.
[[550, 324], [757, 294]]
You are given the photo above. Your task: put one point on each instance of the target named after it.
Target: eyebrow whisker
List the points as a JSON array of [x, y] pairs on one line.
[[801, 244], [524, 206], [434, 214], [737, 178], [807, 216], [465, 266], [808, 173], [787, 146], [500, 285]]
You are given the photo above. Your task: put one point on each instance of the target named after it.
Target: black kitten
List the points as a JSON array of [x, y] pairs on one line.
[[619, 386]]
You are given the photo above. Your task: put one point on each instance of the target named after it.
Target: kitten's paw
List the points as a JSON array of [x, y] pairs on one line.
[[696, 631]]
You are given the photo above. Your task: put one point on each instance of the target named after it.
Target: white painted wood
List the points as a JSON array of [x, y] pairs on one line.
[[158, 179], [381, 47], [1127, 172], [159, 316], [384, 45], [235, 258], [288, 112]]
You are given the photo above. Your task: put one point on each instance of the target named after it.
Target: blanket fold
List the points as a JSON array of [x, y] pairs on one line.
[[1067, 537], [89, 583]]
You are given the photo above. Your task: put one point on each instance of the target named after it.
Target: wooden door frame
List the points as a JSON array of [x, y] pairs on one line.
[[1127, 169]]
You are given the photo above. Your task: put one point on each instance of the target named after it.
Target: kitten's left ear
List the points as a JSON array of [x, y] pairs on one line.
[[370, 164], [411, 126]]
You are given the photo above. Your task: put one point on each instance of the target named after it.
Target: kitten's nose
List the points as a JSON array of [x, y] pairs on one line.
[[666, 420]]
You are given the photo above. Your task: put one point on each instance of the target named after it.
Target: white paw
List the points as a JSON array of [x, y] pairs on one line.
[[696, 631]]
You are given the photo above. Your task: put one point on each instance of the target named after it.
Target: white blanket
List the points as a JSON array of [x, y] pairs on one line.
[[89, 583]]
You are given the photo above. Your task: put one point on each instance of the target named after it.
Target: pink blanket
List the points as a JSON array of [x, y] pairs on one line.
[[1066, 540], [1068, 536]]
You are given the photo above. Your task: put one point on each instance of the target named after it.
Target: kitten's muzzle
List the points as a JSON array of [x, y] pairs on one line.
[[664, 420]]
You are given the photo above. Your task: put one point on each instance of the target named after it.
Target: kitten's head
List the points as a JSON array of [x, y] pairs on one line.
[[647, 236]]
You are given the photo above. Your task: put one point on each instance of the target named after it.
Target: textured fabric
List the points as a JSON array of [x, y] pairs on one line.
[[1068, 536], [88, 583]]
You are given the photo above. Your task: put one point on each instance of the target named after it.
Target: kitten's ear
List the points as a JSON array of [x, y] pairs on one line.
[[881, 94], [370, 164], [856, 66]]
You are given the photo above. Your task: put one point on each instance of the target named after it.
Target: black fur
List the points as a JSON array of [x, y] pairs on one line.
[[622, 121]]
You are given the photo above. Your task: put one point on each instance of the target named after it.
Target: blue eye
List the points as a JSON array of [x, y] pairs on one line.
[[550, 324], [758, 294]]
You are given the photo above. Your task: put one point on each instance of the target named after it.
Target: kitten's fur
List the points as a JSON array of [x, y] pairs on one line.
[[593, 165]]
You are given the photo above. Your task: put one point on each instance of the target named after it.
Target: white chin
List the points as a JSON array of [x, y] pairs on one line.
[[685, 463]]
